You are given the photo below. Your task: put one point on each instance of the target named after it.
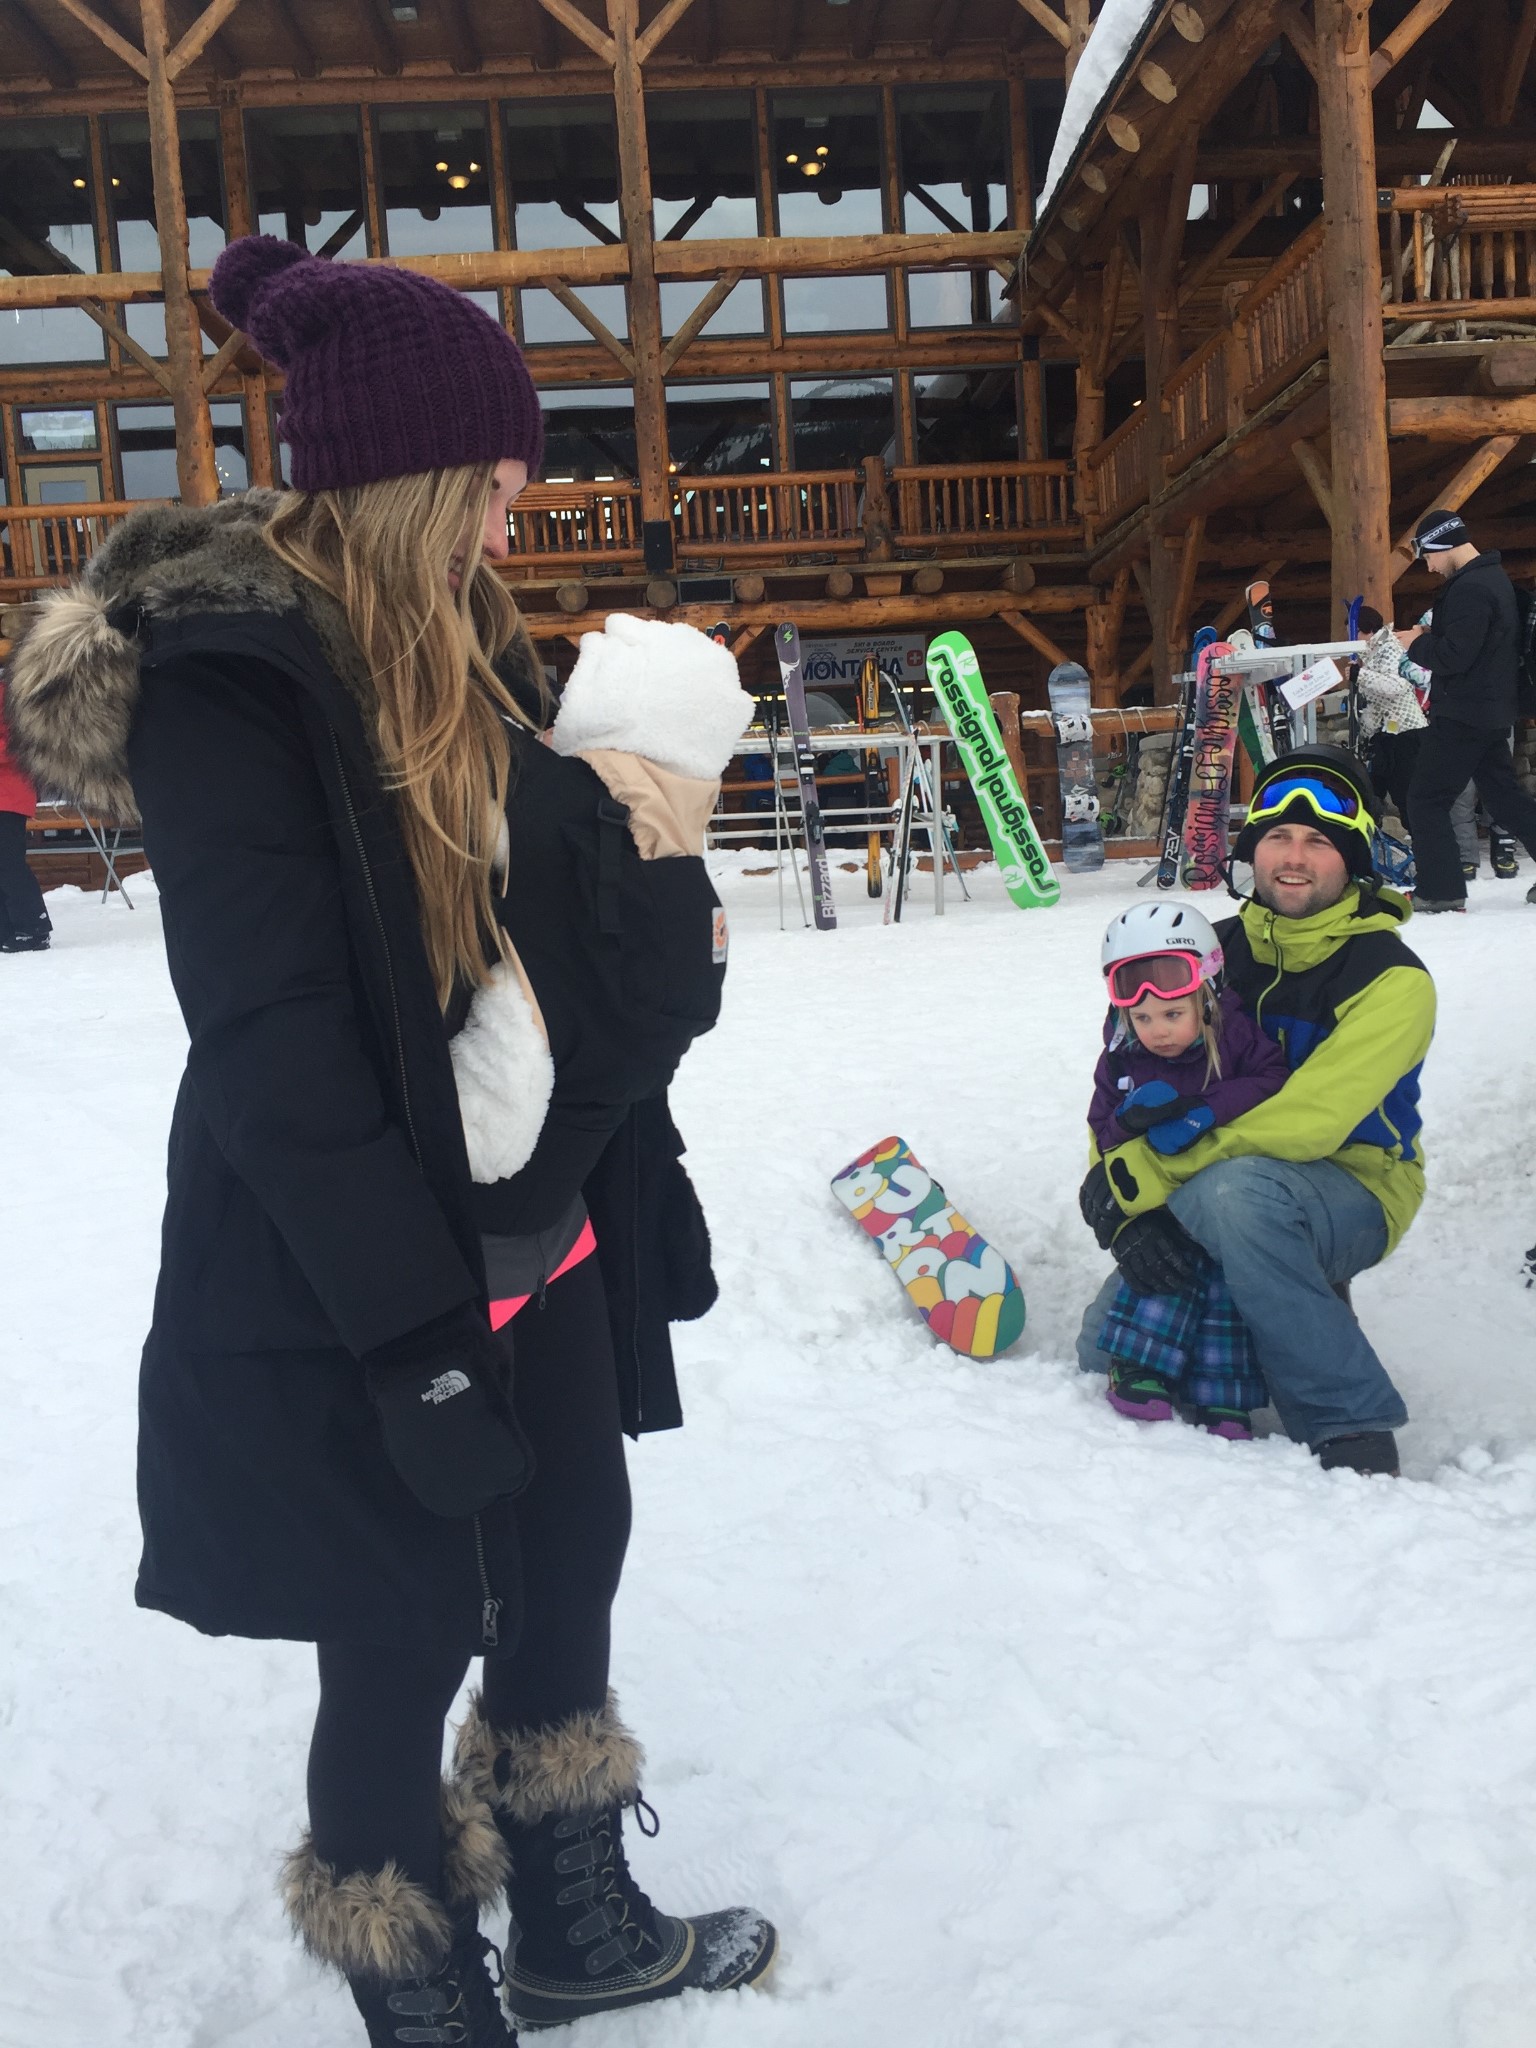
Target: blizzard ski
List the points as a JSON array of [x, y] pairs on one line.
[[792, 676], [1352, 632], [1261, 613], [1210, 783], [875, 797], [1277, 713], [1082, 837], [964, 1289], [955, 674]]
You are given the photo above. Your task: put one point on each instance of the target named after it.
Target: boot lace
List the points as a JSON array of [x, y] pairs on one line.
[[620, 1910], [457, 2008]]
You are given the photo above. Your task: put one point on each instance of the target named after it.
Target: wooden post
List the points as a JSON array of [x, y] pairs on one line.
[[260, 456], [1088, 430], [1357, 376], [237, 182], [196, 469], [1155, 333], [644, 294]]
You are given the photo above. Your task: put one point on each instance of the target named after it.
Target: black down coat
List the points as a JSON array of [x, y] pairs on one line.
[[319, 1199], [1472, 646]]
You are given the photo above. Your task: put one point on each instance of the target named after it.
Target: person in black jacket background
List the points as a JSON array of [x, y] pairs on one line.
[[1471, 650], [436, 976]]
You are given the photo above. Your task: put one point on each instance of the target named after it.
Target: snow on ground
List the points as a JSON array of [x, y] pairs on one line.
[[1033, 1728]]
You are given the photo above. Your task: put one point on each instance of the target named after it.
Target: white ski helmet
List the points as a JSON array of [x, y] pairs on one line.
[[1148, 929]]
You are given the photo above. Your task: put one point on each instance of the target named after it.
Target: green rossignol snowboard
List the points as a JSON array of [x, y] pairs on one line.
[[955, 675]]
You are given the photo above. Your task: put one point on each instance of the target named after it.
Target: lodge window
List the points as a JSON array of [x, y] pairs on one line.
[[703, 150], [130, 196], [589, 433], [50, 446], [838, 421], [434, 170], [563, 162], [307, 177], [826, 157], [146, 448], [46, 213], [953, 158], [720, 429], [961, 416]]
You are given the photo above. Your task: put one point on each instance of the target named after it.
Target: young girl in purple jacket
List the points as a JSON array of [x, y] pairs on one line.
[[1180, 1057]]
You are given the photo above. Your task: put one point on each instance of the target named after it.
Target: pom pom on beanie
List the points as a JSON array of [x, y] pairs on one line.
[[388, 374]]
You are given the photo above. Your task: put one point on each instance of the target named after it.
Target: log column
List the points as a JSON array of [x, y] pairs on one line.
[[1159, 316], [1357, 376], [644, 294], [196, 469]]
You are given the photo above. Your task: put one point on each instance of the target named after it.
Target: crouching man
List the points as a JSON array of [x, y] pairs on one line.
[[1321, 1181]]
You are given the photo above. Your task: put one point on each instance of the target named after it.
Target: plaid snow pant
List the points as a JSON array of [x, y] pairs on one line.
[[1196, 1339]]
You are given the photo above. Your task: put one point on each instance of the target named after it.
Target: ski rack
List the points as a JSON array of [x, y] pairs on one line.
[[920, 754], [1273, 664]]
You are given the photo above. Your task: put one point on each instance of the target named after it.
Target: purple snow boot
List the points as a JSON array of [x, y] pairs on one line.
[[1231, 1423], [1140, 1393]]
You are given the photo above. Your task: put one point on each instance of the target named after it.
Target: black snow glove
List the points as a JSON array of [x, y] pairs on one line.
[[442, 1396], [1101, 1212], [1157, 1255]]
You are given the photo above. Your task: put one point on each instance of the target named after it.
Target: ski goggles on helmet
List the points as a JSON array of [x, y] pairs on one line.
[[1329, 797], [1166, 975]]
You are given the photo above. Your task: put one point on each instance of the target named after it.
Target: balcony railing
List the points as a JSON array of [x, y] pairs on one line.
[[570, 528], [1461, 248]]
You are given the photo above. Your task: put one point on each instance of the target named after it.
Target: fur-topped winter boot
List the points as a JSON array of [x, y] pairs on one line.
[[585, 1938], [414, 1963]]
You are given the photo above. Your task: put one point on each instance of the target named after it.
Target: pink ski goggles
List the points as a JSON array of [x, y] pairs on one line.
[[1170, 975]]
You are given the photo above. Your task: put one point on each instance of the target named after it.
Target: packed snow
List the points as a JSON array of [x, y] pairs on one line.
[[1031, 1726], [1114, 35]]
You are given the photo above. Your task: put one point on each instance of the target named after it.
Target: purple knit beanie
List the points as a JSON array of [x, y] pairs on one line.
[[389, 374]]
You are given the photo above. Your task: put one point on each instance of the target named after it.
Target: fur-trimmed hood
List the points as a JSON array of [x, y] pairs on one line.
[[74, 680]]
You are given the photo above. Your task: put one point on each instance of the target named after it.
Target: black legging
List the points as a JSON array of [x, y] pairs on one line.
[[22, 911], [376, 1754]]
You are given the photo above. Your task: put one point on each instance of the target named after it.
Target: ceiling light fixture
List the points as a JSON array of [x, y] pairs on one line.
[[793, 157], [440, 167], [812, 169], [822, 149], [78, 183], [458, 181]]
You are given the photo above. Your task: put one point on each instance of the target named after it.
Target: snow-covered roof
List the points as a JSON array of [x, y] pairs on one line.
[[1117, 32]]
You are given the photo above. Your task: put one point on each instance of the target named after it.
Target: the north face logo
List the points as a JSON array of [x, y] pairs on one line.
[[446, 1385]]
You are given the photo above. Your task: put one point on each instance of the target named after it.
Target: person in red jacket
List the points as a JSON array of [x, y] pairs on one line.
[[25, 925]]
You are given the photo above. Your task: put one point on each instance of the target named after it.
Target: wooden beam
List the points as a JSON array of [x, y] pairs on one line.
[[464, 52], [699, 319], [864, 29], [541, 35], [838, 614], [577, 24], [380, 31], [1519, 63], [196, 463], [1235, 235], [945, 22], [644, 295], [1041, 642], [598, 329], [1298, 32], [1393, 48], [1079, 28], [660, 28], [117, 44], [222, 357], [305, 63], [198, 36], [221, 55], [1310, 462], [786, 31], [1357, 377], [1460, 419], [1184, 583], [30, 43], [1453, 495], [131, 348], [1049, 20]]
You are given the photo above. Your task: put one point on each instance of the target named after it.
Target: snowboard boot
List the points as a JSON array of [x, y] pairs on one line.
[[1372, 1451], [1232, 1423], [1139, 1392], [1469, 870], [1432, 906], [35, 941], [585, 1938], [414, 1962], [1504, 854]]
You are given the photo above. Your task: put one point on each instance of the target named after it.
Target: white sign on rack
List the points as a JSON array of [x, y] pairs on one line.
[[830, 663], [1316, 681]]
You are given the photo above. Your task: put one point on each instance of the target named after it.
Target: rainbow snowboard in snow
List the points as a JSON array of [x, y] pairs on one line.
[[964, 1290], [954, 674]]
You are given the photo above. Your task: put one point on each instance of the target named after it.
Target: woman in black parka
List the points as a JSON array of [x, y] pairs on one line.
[[426, 1220]]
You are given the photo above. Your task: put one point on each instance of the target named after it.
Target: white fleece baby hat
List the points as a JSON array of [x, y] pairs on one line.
[[665, 691]]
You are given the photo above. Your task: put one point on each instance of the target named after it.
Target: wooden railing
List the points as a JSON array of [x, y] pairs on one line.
[[989, 501], [570, 527], [1119, 468], [1457, 247], [1282, 324], [812, 509], [41, 545]]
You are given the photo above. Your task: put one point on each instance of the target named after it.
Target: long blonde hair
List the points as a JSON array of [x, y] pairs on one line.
[[382, 551]]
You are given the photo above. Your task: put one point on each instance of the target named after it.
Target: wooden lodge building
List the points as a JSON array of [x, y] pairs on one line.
[[821, 329]]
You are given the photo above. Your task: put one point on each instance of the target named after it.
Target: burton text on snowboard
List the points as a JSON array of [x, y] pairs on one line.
[[955, 676], [964, 1289]]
